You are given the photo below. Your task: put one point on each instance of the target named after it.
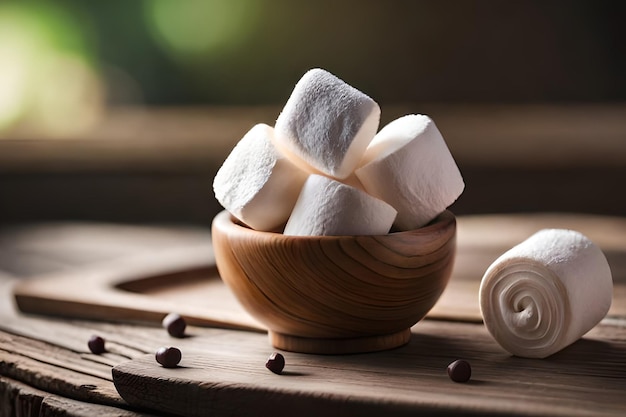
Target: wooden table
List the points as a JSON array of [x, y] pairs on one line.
[[46, 368]]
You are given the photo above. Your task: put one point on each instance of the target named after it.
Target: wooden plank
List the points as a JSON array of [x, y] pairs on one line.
[[405, 377], [175, 271], [110, 291], [52, 356], [42, 248], [587, 379], [18, 399], [71, 368], [56, 370]]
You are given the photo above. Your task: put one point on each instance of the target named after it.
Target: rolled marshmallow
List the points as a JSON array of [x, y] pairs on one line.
[[327, 124], [409, 166], [545, 293], [329, 207], [256, 183]]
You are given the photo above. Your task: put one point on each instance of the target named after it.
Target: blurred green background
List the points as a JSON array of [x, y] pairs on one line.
[[65, 66], [164, 52]]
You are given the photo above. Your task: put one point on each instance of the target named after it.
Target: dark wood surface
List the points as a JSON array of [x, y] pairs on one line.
[[45, 366], [588, 379]]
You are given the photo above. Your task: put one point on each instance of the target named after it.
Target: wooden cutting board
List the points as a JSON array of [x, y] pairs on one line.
[[183, 277], [226, 376], [222, 372]]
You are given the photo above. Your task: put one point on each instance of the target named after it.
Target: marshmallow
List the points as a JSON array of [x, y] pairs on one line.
[[329, 207], [545, 293], [326, 124], [256, 183], [353, 181], [409, 166]]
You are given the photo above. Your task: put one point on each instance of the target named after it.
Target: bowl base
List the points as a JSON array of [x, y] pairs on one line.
[[337, 346]]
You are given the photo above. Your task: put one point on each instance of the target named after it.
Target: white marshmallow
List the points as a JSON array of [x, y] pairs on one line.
[[409, 166], [329, 207], [545, 293], [256, 183], [327, 124], [353, 181]]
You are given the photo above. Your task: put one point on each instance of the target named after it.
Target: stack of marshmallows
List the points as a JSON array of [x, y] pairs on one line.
[[323, 169]]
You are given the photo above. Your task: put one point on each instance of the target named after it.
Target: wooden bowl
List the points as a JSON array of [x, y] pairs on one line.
[[336, 294]]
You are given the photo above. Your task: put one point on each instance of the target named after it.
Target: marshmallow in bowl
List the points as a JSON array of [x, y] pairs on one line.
[[329, 207], [326, 124], [256, 183], [409, 165]]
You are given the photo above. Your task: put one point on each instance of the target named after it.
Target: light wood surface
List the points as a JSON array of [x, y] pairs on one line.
[[158, 279], [336, 294], [144, 288]]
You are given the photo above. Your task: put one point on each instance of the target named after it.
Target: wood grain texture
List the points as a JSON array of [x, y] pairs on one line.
[[21, 400], [336, 287], [158, 270], [56, 369], [586, 379], [339, 345], [128, 290], [233, 360]]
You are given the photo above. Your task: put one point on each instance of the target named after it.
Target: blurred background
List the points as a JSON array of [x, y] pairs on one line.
[[123, 111]]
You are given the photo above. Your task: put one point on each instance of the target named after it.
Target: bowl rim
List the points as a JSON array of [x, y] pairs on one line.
[[444, 220]]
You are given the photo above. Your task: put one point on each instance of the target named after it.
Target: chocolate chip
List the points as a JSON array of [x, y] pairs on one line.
[[96, 345], [169, 357], [460, 371], [175, 325], [275, 363]]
